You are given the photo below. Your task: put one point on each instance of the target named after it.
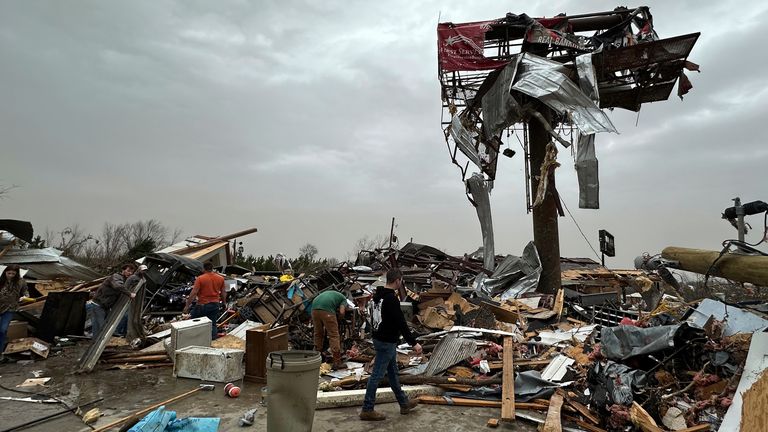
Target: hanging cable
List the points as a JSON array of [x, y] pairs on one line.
[[582, 232]]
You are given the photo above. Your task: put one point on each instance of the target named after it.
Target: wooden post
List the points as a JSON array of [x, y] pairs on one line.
[[508, 382]]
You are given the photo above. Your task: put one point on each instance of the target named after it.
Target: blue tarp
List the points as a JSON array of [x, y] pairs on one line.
[[161, 420]]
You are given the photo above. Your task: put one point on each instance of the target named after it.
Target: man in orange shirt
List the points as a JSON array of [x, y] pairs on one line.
[[210, 295]]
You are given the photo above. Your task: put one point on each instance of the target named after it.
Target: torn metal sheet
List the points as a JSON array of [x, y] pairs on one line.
[[555, 337], [587, 77], [557, 368], [625, 341], [757, 362], [448, 352], [546, 81], [500, 109], [464, 140], [530, 385], [513, 277], [472, 331], [481, 198], [736, 320], [587, 173]]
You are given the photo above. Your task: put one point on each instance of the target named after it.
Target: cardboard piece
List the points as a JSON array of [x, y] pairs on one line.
[[34, 345]]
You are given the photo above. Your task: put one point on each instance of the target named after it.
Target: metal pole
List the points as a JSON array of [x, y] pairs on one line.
[[391, 232], [739, 218]]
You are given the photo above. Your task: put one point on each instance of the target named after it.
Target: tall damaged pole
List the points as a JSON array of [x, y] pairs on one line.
[[546, 236], [571, 68]]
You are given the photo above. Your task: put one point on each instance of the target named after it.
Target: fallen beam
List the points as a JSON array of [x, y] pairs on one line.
[[478, 403], [351, 398], [741, 268]]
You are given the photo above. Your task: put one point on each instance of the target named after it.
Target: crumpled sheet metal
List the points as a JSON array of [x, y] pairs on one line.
[[544, 80], [448, 352], [481, 190], [464, 140], [587, 173], [739, 321], [580, 334], [587, 77], [514, 276], [500, 108], [529, 385], [625, 341]]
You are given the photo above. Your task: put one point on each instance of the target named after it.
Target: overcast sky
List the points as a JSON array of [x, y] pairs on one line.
[[318, 121]]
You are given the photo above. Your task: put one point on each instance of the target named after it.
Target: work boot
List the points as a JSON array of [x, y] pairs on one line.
[[337, 363], [372, 416], [407, 408]]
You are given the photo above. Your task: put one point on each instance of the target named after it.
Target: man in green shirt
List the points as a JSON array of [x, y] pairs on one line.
[[324, 309]]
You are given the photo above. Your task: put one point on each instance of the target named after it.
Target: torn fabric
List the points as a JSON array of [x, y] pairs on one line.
[[480, 190], [587, 173], [546, 81]]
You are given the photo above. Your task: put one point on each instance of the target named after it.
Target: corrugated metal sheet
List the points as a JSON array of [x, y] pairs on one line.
[[448, 352], [47, 263]]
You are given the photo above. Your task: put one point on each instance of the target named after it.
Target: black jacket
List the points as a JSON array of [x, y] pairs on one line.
[[392, 320], [110, 290]]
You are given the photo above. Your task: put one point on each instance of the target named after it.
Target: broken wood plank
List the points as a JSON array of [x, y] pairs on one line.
[[559, 300], [493, 423], [642, 419], [584, 425], [466, 402], [552, 423], [508, 382], [583, 410]]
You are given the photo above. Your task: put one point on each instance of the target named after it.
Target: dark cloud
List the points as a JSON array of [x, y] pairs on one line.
[[319, 121]]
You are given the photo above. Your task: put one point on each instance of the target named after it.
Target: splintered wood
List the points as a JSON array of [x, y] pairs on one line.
[[552, 423], [754, 409], [508, 382]]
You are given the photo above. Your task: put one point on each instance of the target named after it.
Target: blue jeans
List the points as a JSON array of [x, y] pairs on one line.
[[5, 321], [210, 310], [385, 361], [98, 318]]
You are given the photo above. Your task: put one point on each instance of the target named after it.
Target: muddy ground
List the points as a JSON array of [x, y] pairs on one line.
[[126, 391]]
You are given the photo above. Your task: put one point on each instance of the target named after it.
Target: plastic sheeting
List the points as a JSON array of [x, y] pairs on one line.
[[587, 173], [546, 80], [625, 341], [613, 383], [161, 420], [513, 277], [481, 195]]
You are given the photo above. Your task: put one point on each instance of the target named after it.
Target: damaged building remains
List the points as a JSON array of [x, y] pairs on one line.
[[526, 341]]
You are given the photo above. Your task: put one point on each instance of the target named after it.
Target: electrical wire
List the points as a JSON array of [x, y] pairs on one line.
[[582, 232]]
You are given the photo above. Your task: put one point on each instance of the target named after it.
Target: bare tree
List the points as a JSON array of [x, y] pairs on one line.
[[309, 251]]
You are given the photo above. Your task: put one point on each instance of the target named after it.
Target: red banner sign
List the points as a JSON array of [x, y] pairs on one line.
[[460, 47]]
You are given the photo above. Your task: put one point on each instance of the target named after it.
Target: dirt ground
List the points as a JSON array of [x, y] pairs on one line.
[[125, 392]]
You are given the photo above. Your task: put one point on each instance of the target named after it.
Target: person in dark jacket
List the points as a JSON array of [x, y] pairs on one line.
[[12, 289], [388, 324], [107, 295]]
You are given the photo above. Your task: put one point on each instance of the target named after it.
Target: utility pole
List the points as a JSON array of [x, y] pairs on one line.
[[546, 235]]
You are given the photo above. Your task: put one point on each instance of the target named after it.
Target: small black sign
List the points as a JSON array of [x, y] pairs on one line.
[[606, 243]]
